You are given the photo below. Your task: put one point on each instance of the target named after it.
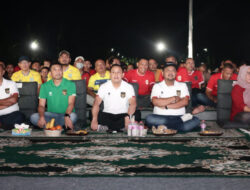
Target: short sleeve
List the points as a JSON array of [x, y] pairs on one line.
[[152, 78], [101, 91], [39, 79], [155, 91], [49, 76], [42, 93], [131, 92], [91, 82], [77, 75], [185, 91], [14, 77], [72, 89], [14, 89], [210, 84]]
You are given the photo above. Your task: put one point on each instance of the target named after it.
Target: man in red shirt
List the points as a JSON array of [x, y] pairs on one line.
[[182, 73], [145, 80], [212, 86], [197, 80]]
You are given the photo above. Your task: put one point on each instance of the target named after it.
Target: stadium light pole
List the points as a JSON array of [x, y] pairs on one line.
[[190, 30]]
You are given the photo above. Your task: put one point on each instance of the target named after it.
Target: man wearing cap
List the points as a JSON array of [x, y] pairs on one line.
[[169, 98], [9, 109], [26, 74], [69, 72], [79, 64]]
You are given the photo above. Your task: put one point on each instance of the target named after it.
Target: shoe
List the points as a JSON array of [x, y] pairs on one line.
[[102, 128]]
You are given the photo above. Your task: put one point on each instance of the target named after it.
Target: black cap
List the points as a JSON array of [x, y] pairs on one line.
[[23, 58], [170, 64], [64, 52]]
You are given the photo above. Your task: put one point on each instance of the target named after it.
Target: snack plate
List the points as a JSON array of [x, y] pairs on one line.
[[169, 133], [211, 133], [76, 133]]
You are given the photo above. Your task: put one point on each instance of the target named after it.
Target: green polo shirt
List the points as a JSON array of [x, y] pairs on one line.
[[57, 96]]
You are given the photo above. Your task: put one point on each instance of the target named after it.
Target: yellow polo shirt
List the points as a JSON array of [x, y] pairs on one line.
[[33, 76], [96, 80], [72, 73]]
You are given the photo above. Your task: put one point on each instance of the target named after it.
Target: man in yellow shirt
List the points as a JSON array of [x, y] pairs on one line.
[[69, 72], [26, 74], [96, 80]]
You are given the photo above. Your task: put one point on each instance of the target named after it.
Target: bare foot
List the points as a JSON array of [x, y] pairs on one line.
[[198, 109]]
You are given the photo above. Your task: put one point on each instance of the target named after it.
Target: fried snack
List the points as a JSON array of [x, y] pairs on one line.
[[82, 131]]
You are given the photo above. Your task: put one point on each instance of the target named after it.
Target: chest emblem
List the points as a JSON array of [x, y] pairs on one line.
[[7, 90], [50, 93], [70, 75], [64, 92], [123, 94]]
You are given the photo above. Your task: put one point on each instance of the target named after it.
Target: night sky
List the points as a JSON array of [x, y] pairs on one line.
[[133, 29]]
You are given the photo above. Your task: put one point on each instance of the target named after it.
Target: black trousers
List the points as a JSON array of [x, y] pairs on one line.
[[7, 121], [115, 121]]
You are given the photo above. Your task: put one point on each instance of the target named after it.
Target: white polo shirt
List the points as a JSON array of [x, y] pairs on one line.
[[7, 89], [116, 100], [161, 90]]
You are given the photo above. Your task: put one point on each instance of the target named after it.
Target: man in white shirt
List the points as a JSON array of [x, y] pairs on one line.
[[9, 109], [119, 102], [169, 98]]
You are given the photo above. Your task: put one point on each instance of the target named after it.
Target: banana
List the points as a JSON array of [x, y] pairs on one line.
[[52, 121], [48, 125]]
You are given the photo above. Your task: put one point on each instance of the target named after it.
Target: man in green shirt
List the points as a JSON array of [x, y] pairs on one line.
[[59, 93]]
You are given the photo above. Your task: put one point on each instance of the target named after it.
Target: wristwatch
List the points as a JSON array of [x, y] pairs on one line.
[[166, 107], [66, 115]]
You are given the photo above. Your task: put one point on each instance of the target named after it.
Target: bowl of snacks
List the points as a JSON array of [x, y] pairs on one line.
[[51, 130], [162, 130]]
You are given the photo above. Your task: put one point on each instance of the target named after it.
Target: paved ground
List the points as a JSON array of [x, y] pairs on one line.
[[108, 183]]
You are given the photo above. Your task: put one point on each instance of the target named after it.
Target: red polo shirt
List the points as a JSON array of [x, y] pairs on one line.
[[213, 82], [181, 75], [196, 78], [145, 81]]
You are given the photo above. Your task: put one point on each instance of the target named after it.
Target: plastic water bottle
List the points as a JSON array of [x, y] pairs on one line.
[[203, 125], [141, 128], [130, 127]]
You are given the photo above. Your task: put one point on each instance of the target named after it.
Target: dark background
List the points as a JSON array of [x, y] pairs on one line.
[[133, 29]]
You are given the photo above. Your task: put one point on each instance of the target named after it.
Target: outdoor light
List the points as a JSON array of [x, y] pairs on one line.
[[112, 50], [205, 49], [34, 45], [160, 46], [118, 54]]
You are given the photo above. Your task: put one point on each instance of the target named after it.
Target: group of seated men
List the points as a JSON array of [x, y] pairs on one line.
[[162, 89]]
